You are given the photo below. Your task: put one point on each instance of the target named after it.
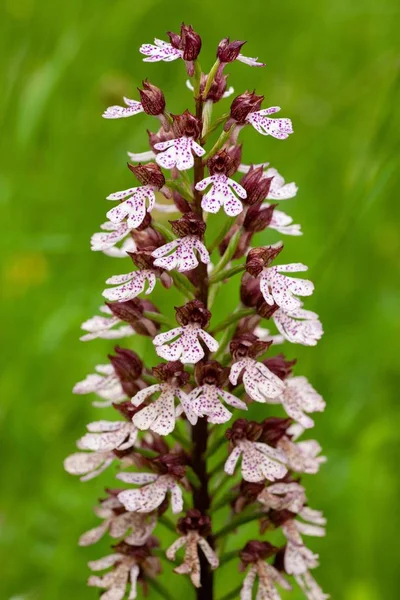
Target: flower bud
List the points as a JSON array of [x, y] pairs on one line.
[[247, 345], [250, 293], [171, 372], [149, 174], [229, 51], [194, 521], [259, 258], [221, 163], [128, 368], [211, 372], [190, 43], [242, 106], [279, 517], [257, 219], [127, 410], [217, 89], [255, 551], [242, 429], [256, 185], [188, 224], [171, 464], [281, 367], [143, 260], [152, 99], [273, 429], [147, 239], [193, 312], [187, 125], [132, 313]]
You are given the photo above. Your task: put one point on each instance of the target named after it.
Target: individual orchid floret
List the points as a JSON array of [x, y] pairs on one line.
[[230, 51], [299, 326], [160, 415], [88, 464], [256, 184], [133, 313], [104, 327], [241, 107], [193, 317], [259, 382], [133, 107], [160, 51], [187, 46], [280, 190], [205, 400], [132, 284], [283, 496], [299, 398], [106, 241], [302, 457], [129, 564], [178, 152], [194, 528], [104, 383], [283, 223], [259, 460], [136, 202], [255, 553], [310, 587], [275, 287], [104, 436], [135, 528], [277, 128], [180, 254], [155, 486]]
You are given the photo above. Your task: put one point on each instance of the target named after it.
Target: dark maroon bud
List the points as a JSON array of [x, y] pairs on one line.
[[242, 429], [257, 219], [194, 520], [143, 260], [221, 164], [247, 345], [259, 258], [241, 107], [149, 174], [190, 43], [256, 185], [152, 99], [132, 313], [181, 204], [243, 245], [211, 372], [139, 553], [147, 239], [248, 493], [273, 429], [193, 312], [255, 551], [175, 39], [128, 368], [229, 51], [171, 464], [250, 293], [126, 408], [265, 310], [279, 517], [188, 224], [235, 152], [171, 372], [187, 125], [217, 89], [160, 136], [281, 367]]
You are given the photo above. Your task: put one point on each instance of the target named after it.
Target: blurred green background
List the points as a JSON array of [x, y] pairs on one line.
[[333, 67]]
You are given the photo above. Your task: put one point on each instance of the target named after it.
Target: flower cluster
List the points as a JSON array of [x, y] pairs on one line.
[[181, 437]]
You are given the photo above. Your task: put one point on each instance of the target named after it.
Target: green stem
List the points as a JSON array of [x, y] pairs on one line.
[[237, 522], [221, 120], [210, 78], [229, 252], [167, 523], [181, 188], [169, 236], [197, 78], [226, 274], [233, 318], [160, 589], [223, 138], [234, 594], [159, 318], [221, 234]]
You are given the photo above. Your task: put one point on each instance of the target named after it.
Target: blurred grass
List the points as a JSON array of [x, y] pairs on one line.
[[334, 68]]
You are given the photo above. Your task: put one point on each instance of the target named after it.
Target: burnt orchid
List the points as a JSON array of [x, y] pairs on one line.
[[188, 459]]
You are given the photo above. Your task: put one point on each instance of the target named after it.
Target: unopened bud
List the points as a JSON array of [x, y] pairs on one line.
[[259, 258], [190, 43], [281, 367], [152, 99], [247, 345], [187, 125], [229, 51], [273, 429], [255, 551], [128, 368], [188, 224], [147, 238], [193, 312], [257, 219], [256, 185], [242, 106], [132, 313], [194, 520], [250, 293]]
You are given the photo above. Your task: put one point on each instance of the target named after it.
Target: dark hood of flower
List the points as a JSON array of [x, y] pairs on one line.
[[128, 368], [255, 551], [149, 174], [211, 372], [257, 218], [259, 258], [132, 312], [194, 520], [256, 185], [187, 125], [280, 366], [171, 372], [273, 429], [242, 429], [229, 51], [188, 224], [171, 464], [243, 105], [152, 99], [193, 312], [247, 345]]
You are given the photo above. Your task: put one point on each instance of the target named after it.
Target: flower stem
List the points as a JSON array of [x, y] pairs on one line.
[[227, 274], [210, 78], [233, 594], [237, 522], [233, 318], [223, 138]]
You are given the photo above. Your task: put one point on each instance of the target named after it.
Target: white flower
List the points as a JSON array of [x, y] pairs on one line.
[[298, 398], [187, 347], [135, 528], [298, 558], [204, 401], [191, 562], [88, 464], [259, 461], [299, 326], [259, 382], [302, 457], [104, 436], [151, 494], [160, 51], [283, 496], [160, 415], [268, 576], [221, 194], [107, 242], [281, 289], [283, 223], [180, 254], [116, 581], [119, 112], [265, 335], [134, 208], [104, 384], [252, 62], [278, 128], [103, 328], [178, 153], [141, 156], [132, 284], [310, 587], [279, 190]]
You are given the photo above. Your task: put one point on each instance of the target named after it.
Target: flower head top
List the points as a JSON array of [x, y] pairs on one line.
[[180, 254], [194, 528], [193, 317]]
